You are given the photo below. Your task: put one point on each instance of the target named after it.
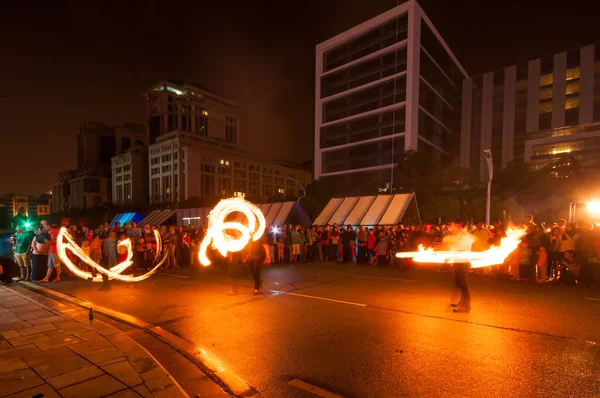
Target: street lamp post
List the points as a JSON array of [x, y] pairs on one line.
[[301, 187], [488, 158]]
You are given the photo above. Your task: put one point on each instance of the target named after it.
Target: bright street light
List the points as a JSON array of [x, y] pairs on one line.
[[594, 207]]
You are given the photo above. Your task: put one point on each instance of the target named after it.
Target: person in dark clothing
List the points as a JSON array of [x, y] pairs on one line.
[[257, 253], [348, 236], [460, 279], [570, 270], [8, 270]]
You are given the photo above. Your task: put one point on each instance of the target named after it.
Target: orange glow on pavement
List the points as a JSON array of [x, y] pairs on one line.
[[493, 256], [217, 227]]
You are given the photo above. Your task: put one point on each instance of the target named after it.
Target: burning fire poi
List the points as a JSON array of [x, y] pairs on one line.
[[112, 273], [217, 227], [493, 256]]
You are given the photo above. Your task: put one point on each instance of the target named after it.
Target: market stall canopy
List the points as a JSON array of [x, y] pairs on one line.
[[277, 213], [123, 218], [369, 210], [157, 217]]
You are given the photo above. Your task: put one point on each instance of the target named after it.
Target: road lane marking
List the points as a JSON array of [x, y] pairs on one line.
[[173, 275], [326, 299], [387, 279], [592, 298], [301, 384]]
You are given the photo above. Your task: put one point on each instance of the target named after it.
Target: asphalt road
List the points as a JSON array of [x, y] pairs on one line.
[[387, 333]]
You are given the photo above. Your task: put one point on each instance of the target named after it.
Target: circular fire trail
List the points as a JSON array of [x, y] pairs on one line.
[[217, 227]]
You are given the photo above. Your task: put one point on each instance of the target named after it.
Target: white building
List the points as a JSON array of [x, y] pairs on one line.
[[388, 85], [194, 150], [130, 177], [183, 165]]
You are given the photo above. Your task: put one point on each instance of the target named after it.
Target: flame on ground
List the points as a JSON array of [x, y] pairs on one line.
[[65, 242], [216, 232], [493, 256]]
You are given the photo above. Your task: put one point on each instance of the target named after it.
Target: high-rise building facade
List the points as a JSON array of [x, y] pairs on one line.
[[534, 111], [386, 86]]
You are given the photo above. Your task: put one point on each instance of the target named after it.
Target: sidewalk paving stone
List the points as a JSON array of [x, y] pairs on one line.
[[89, 346], [103, 355], [61, 366], [74, 377], [124, 372], [57, 342], [53, 349], [37, 329], [14, 326], [60, 332], [94, 388], [87, 335], [35, 315], [34, 338], [50, 319], [124, 394], [19, 380], [43, 390]]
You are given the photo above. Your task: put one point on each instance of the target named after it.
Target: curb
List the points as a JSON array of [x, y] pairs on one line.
[[147, 352], [199, 356]]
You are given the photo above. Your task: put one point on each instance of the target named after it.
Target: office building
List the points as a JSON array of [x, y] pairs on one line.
[[194, 150], [130, 177], [533, 112], [90, 183], [386, 86]]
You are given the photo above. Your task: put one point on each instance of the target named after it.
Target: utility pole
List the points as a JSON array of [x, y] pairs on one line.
[[490, 165]]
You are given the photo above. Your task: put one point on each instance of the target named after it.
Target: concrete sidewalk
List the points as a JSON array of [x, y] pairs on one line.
[[50, 348]]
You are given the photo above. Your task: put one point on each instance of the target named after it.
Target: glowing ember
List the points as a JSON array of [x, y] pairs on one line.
[[493, 256], [112, 273], [217, 227]]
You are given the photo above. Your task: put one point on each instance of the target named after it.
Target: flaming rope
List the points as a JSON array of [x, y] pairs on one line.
[[493, 256], [217, 226], [112, 273]]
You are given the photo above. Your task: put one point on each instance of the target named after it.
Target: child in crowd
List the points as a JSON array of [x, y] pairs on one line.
[[542, 265], [121, 249], [381, 248]]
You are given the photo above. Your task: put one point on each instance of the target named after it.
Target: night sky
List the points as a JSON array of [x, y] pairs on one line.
[[64, 63]]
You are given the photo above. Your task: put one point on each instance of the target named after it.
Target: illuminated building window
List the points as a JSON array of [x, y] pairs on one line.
[[224, 162], [573, 73], [573, 87], [572, 102], [204, 112], [545, 93], [545, 106], [280, 190], [239, 194], [546, 80]]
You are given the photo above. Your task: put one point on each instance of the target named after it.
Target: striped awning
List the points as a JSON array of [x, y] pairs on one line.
[[365, 210], [124, 218], [157, 217]]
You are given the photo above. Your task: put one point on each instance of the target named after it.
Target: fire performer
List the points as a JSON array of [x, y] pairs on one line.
[[459, 239], [460, 279]]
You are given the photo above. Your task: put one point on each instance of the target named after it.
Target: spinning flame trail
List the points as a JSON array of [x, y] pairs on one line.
[[493, 256], [221, 240], [112, 273]]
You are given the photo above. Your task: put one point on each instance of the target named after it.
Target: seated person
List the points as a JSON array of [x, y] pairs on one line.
[[8, 270], [570, 270]]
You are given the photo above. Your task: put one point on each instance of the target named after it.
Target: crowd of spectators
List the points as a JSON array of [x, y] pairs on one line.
[[562, 251]]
